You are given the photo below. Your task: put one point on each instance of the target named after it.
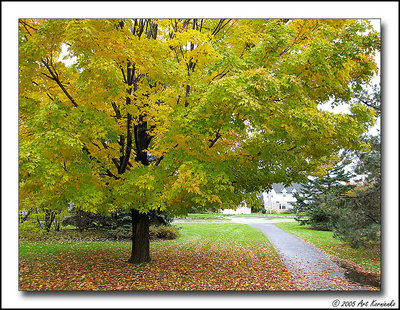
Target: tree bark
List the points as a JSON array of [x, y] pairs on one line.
[[140, 238]]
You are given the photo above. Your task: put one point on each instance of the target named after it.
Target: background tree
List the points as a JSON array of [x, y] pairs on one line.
[[360, 212], [370, 97], [170, 114], [353, 212], [317, 200]]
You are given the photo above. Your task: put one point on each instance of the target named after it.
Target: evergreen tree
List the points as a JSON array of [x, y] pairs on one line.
[[359, 212], [317, 198]]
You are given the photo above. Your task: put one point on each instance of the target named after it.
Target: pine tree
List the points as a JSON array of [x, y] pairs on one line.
[[359, 211], [317, 198]]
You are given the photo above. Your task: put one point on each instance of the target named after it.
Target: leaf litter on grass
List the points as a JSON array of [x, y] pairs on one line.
[[204, 267]]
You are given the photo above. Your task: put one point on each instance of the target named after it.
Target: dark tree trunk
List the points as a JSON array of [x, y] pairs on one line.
[[140, 238], [48, 219]]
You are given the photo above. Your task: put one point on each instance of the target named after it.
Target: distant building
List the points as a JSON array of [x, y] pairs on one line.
[[242, 209], [280, 197]]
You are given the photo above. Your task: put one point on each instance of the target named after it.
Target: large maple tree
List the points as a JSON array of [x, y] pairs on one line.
[[174, 113]]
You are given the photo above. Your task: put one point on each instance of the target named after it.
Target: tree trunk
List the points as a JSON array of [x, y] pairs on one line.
[[140, 238]]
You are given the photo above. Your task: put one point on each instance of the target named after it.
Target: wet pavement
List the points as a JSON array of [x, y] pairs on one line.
[[312, 270]]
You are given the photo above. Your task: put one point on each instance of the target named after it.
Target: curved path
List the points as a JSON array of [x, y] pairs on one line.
[[312, 270]]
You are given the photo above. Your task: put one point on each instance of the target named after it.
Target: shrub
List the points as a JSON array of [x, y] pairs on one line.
[[271, 211], [167, 232], [85, 220], [122, 232], [153, 232], [116, 220], [30, 230], [163, 232]]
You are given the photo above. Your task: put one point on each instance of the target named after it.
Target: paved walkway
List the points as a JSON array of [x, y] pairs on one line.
[[312, 270]]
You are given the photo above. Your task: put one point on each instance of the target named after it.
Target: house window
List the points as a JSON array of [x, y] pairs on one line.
[[282, 206]]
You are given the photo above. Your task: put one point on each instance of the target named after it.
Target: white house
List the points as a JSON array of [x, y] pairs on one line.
[[242, 209], [280, 197]]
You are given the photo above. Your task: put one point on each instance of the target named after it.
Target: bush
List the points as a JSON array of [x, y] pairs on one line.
[[120, 233], [85, 220], [30, 230], [271, 211], [167, 232], [153, 232], [256, 208], [163, 232], [117, 220]]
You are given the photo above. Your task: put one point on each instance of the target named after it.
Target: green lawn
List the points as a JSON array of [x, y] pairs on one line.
[[368, 260], [202, 219], [258, 214], [224, 234], [203, 215], [206, 257], [261, 215]]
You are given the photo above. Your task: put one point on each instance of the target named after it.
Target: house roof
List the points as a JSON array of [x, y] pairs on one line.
[[278, 187]]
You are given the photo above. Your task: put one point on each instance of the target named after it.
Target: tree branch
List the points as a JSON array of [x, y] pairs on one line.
[[116, 163], [128, 149], [213, 141], [123, 74], [220, 26], [116, 110], [110, 174], [162, 156], [54, 77]]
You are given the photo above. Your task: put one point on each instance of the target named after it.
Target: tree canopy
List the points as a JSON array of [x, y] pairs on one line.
[[171, 113]]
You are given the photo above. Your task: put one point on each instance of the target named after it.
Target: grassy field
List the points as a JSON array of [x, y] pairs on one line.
[[202, 219], [204, 215], [206, 257], [220, 216], [368, 260], [207, 217], [211, 215], [261, 215]]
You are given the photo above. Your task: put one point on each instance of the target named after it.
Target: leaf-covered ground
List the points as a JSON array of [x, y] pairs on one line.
[[205, 258]]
